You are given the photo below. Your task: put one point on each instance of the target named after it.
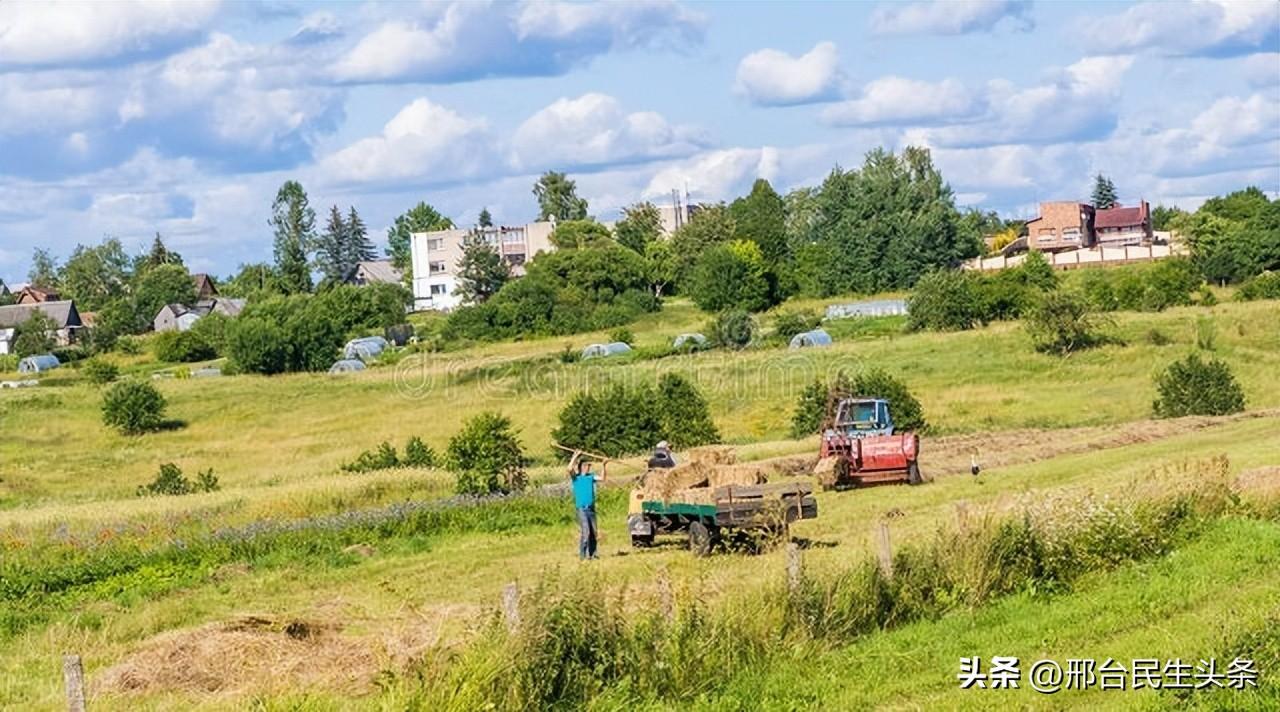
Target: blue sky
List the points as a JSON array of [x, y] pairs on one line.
[[128, 118]]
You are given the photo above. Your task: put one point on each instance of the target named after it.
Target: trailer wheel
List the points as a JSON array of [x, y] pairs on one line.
[[913, 474], [701, 538]]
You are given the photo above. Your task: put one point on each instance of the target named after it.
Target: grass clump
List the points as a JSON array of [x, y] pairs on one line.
[[170, 481], [1195, 387], [732, 329], [133, 407]]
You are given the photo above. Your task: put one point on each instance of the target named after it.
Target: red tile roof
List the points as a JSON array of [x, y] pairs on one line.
[[1120, 217]]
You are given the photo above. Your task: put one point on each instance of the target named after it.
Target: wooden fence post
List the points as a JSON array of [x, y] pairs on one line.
[[73, 676], [511, 606], [884, 551], [666, 598], [795, 567]]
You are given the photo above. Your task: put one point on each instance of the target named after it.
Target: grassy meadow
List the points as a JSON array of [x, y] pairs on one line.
[[197, 601]]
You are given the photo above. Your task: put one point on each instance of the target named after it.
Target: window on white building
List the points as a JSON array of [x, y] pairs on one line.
[[438, 289], [436, 267], [435, 244]]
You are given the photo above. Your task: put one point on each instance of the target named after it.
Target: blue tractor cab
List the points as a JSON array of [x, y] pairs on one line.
[[862, 417]]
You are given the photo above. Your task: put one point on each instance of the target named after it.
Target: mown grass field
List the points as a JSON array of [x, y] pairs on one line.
[[66, 489]]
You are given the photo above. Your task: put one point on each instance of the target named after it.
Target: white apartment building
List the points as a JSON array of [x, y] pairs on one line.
[[435, 255]]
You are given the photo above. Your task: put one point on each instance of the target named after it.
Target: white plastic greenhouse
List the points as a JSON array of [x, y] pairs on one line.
[[817, 337], [604, 350], [38, 363], [364, 348], [347, 365]]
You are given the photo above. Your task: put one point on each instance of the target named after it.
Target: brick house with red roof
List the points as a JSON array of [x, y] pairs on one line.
[[1120, 226]]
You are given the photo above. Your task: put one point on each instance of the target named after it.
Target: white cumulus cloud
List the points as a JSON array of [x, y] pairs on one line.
[[468, 41], [950, 17], [65, 33], [424, 142], [770, 77], [1204, 27], [594, 129], [895, 100]]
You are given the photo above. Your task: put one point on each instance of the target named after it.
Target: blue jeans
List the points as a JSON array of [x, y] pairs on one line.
[[587, 532]]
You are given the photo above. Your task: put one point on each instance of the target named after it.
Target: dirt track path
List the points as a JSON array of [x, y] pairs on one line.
[[950, 454]]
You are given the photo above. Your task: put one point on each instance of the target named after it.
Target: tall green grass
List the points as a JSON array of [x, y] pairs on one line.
[[577, 644]]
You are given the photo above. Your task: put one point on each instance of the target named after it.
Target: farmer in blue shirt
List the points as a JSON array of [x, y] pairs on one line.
[[584, 479]]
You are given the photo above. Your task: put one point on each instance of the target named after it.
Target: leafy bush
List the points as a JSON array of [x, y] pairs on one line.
[[1150, 287], [563, 292], [789, 324], [133, 407], [732, 329], [817, 397], [258, 346], [171, 481], [181, 347], [569, 354], [486, 456], [129, 345], [1263, 286], [945, 300], [418, 454], [1156, 337], [623, 335], [1206, 334], [628, 420], [1012, 293], [1061, 323], [383, 458], [34, 336], [100, 371], [1195, 387], [729, 276], [211, 330], [8, 362]]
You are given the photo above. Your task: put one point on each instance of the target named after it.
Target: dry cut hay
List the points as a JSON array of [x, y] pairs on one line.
[[696, 479], [256, 653]]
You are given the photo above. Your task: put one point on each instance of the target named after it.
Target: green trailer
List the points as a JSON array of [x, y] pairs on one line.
[[709, 516]]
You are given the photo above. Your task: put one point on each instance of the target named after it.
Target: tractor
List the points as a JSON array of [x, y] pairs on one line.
[[860, 448]]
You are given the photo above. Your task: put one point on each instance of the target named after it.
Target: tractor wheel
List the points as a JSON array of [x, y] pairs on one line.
[[913, 474], [701, 539]]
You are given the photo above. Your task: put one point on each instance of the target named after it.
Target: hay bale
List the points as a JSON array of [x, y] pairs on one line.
[[737, 475], [713, 455]]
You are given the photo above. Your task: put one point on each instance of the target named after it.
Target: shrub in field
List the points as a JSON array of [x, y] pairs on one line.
[[1206, 333], [1156, 337], [945, 300], [129, 345], [789, 324], [418, 454], [211, 331], [133, 407], [171, 481], [1195, 387], [1263, 286], [1061, 322], [1170, 283], [258, 346], [8, 362], [382, 458], [100, 371], [486, 456], [623, 335], [182, 347], [732, 329], [628, 420], [817, 397], [729, 276]]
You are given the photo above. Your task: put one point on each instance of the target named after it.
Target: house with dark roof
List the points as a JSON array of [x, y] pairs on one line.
[[375, 272], [65, 318], [205, 288], [1120, 226], [35, 295], [180, 317]]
